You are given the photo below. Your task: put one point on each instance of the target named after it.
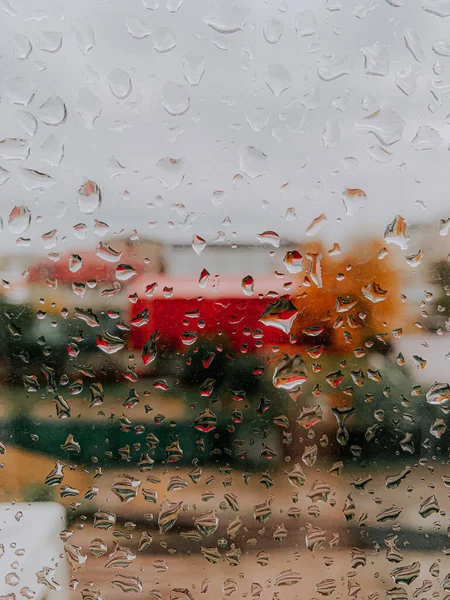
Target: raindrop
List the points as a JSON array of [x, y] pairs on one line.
[[198, 244], [88, 106], [385, 124], [27, 122], [280, 314], [426, 138], [248, 285], [253, 162], [175, 99], [107, 253], [414, 44], [137, 28], [108, 343], [89, 197], [22, 47], [19, 220], [53, 112], [438, 394], [125, 487], [273, 30], [50, 41], [277, 78], [14, 149], [84, 36], [193, 68], [441, 47], [395, 233], [120, 558], [290, 373], [164, 40], [333, 66], [305, 23], [119, 84]]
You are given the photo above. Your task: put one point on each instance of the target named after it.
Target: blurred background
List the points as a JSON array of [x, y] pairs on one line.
[[266, 410]]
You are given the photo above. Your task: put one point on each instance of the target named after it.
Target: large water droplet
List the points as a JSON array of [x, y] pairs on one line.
[[119, 83], [385, 124], [175, 99], [280, 314], [107, 253], [354, 200], [14, 149], [53, 112], [290, 373], [426, 138], [50, 41], [395, 233], [193, 68], [273, 30], [277, 78], [27, 122], [84, 36], [88, 106], [19, 220], [332, 66], [22, 47], [137, 28], [164, 40], [108, 343], [253, 161], [89, 197], [125, 487], [438, 394]]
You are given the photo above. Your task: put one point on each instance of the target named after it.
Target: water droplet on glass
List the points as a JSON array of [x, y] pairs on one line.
[[290, 373], [438, 394], [395, 233], [164, 40], [19, 220], [333, 66], [277, 78], [385, 124], [426, 138], [253, 162], [193, 68], [84, 36], [89, 197], [273, 30], [125, 487], [22, 47], [107, 253], [27, 122], [316, 225], [280, 314], [354, 200], [248, 285], [53, 111], [50, 41], [14, 149], [119, 83], [175, 99], [88, 106], [414, 44], [376, 59]]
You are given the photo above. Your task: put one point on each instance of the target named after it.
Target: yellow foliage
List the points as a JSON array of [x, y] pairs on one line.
[[343, 276]]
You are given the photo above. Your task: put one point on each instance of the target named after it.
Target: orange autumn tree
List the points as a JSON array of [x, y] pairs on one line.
[[347, 297]]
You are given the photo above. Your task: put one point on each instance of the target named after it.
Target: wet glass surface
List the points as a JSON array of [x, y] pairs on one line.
[[224, 301]]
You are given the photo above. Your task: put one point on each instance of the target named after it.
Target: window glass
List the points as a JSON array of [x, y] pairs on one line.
[[224, 299]]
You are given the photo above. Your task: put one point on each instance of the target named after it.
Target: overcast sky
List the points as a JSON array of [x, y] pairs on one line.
[[259, 112]]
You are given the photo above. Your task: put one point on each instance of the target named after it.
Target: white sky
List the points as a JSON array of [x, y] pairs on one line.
[[214, 132]]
